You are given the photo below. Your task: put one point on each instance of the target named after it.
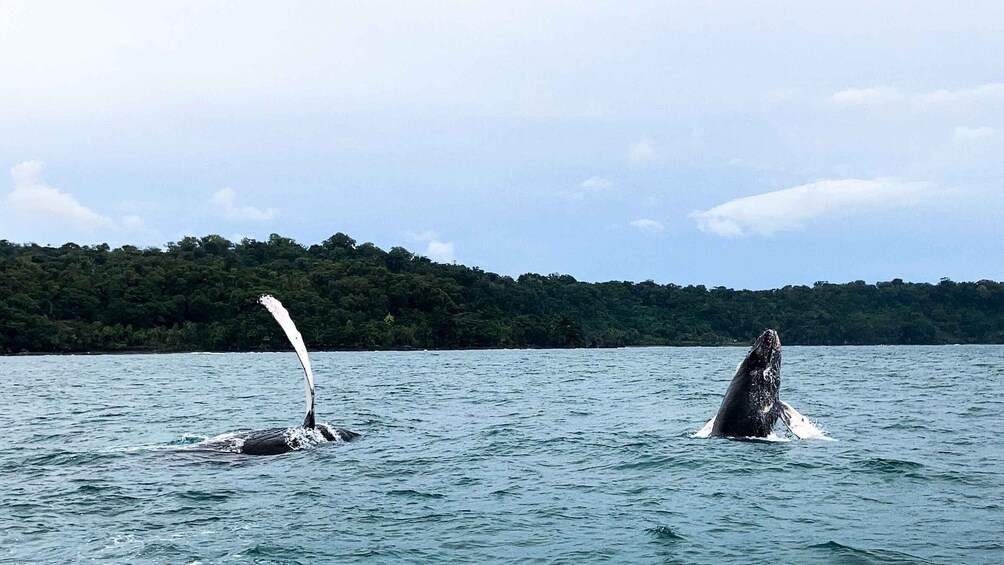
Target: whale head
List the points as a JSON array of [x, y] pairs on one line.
[[764, 359]]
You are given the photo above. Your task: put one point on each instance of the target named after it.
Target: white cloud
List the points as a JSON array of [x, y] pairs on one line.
[[648, 226], [133, 223], [791, 208], [963, 133], [427, 235], [136, 228], [640, 152], [31, 199], [592, 185], [942, 98], [441, 251], [225, 201], [596, 184], [867, 96]]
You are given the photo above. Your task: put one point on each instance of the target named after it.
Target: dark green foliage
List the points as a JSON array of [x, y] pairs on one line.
[[200, 294]]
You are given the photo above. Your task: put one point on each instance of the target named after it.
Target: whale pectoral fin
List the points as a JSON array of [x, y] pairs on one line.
[[799, 424], [706, 430], [308, 422]]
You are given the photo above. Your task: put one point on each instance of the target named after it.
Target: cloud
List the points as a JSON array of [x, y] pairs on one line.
[[791, 208], [133, 223], [867, 96], [33, 200], [225, 201], [596, 184], [441, 251], [648, 226], [963, 133], [592, 185], [640, 152], [942, 98]]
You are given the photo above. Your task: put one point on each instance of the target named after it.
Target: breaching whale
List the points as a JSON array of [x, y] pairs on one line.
[[751, 405], [274, 441]]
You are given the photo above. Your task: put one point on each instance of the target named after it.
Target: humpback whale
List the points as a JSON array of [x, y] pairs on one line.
[[274, 441], [751, 406]]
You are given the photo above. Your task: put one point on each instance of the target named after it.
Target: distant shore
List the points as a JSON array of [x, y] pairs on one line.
[[200, 294]]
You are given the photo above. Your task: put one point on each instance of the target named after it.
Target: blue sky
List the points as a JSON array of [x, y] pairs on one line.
[[750, 145]]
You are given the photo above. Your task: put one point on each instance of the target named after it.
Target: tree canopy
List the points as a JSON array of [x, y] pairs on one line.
[[200, 294]]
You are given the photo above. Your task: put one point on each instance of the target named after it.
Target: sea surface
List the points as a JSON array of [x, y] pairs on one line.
[[515, 456]]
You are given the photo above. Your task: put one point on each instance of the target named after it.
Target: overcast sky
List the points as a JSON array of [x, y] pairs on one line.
[[750, 145]]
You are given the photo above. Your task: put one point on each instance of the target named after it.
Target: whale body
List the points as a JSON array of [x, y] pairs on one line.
[[273, 441], [751, 405]]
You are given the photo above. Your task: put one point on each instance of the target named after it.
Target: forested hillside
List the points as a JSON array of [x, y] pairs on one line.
[[200, 294]]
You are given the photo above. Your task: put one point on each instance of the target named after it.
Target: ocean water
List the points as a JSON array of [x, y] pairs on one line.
[[567, 456]]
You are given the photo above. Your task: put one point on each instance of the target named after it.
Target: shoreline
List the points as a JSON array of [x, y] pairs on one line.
[[415, 349]]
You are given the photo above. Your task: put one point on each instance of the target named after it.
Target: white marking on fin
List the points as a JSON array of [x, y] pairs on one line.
[[282, 316], [706, 430], [799, 424]]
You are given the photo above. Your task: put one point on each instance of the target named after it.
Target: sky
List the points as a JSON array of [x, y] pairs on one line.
[[738, 144]]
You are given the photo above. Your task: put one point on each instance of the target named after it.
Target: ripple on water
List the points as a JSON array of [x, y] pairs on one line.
[[496, 456], [834, 552], [665, 534], [410, 493], [890, 466]]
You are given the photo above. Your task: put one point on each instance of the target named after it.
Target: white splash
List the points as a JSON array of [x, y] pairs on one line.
[[282, 316], [302, 438], [800, 426], [230, 442]]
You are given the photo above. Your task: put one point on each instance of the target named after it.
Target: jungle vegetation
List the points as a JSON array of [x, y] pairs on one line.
[[199, 294]]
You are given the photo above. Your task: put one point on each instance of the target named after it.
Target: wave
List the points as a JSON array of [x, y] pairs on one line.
[[188, 439], [771, 438], [840, 553], [783, 437], [411, 493], [665, 533], [884, 465], [61, 458]]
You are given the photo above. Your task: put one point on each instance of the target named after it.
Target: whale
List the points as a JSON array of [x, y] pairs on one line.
[[274, 441], [751, 406]]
